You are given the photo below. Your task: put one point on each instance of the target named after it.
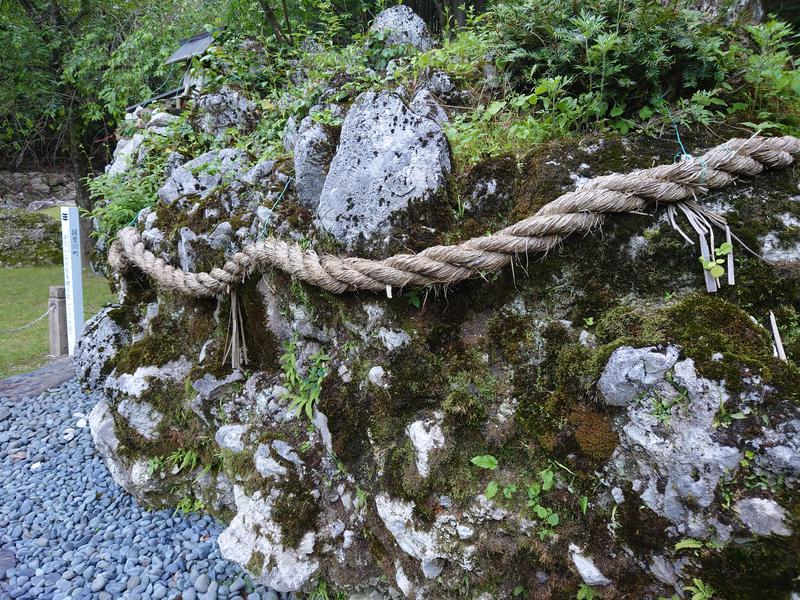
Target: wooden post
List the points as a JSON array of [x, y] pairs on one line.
[[73, 277], [57, 305]]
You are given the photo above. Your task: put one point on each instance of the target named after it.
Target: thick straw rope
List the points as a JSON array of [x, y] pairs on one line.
[[574, 212]]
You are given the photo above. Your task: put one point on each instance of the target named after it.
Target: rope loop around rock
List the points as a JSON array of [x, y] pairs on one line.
[[580, 211]]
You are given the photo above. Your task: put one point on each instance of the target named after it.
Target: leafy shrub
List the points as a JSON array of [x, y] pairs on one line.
[[622, 52]]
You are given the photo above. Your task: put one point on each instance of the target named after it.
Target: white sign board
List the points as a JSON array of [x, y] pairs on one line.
[[73, 280]]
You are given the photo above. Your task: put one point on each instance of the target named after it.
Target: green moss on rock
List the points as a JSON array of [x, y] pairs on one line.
[[295, 510], [28, 239]]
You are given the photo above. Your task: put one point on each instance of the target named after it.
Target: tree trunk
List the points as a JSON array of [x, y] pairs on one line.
[[79, 164], [273, 22]]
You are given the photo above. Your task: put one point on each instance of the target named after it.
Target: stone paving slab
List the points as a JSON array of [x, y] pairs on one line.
[[30, 385]]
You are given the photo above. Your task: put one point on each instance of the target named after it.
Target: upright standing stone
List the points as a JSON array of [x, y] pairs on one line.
[[389, 158], [403, 26]]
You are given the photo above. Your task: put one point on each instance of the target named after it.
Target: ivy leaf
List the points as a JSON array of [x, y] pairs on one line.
[[541, 511], [491, 490], [716, 271], [547, 479], [485, 461], [533, 490], [510, 490], [552, 519], [724, 249]]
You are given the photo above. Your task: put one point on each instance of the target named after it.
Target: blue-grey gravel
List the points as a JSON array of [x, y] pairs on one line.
[[67, 531]]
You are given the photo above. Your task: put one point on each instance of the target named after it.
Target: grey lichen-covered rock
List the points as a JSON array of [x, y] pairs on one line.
[[631, 371], [763, 516], [313, 151], [780, 451], [676, 463], [229, 437], [224, 109], [402, 26], [389, 159], [254, 531], [125, 155], [443, 89], [260, 173], [131, 475], [730, 11], [424, 104], [201, 176], [186, 252], [141, 416], [101, 338]]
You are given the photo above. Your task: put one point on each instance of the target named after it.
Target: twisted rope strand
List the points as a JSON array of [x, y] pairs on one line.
[[580, 211]]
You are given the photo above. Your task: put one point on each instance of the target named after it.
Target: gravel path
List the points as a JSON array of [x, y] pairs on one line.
[[68, 531]]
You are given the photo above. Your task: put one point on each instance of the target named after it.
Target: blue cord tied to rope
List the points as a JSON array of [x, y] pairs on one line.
[[683, 154]]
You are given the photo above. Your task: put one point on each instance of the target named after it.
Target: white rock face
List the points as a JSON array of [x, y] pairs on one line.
[[590, 574], [676, 467], [141, 416], [426, 436], [229, 437], [377, 376], [132, 477], [776, 251], [397, 515], [266, 465], [403, 26], [136, 383], [631, 371], [125, 156], [403, 582], [127, 390], [161, 119], [763, 516], [393, 340], [253, 529], [388, 158]]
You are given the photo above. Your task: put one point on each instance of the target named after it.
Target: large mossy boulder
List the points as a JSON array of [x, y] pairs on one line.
[[28, 239], [592, 417]]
